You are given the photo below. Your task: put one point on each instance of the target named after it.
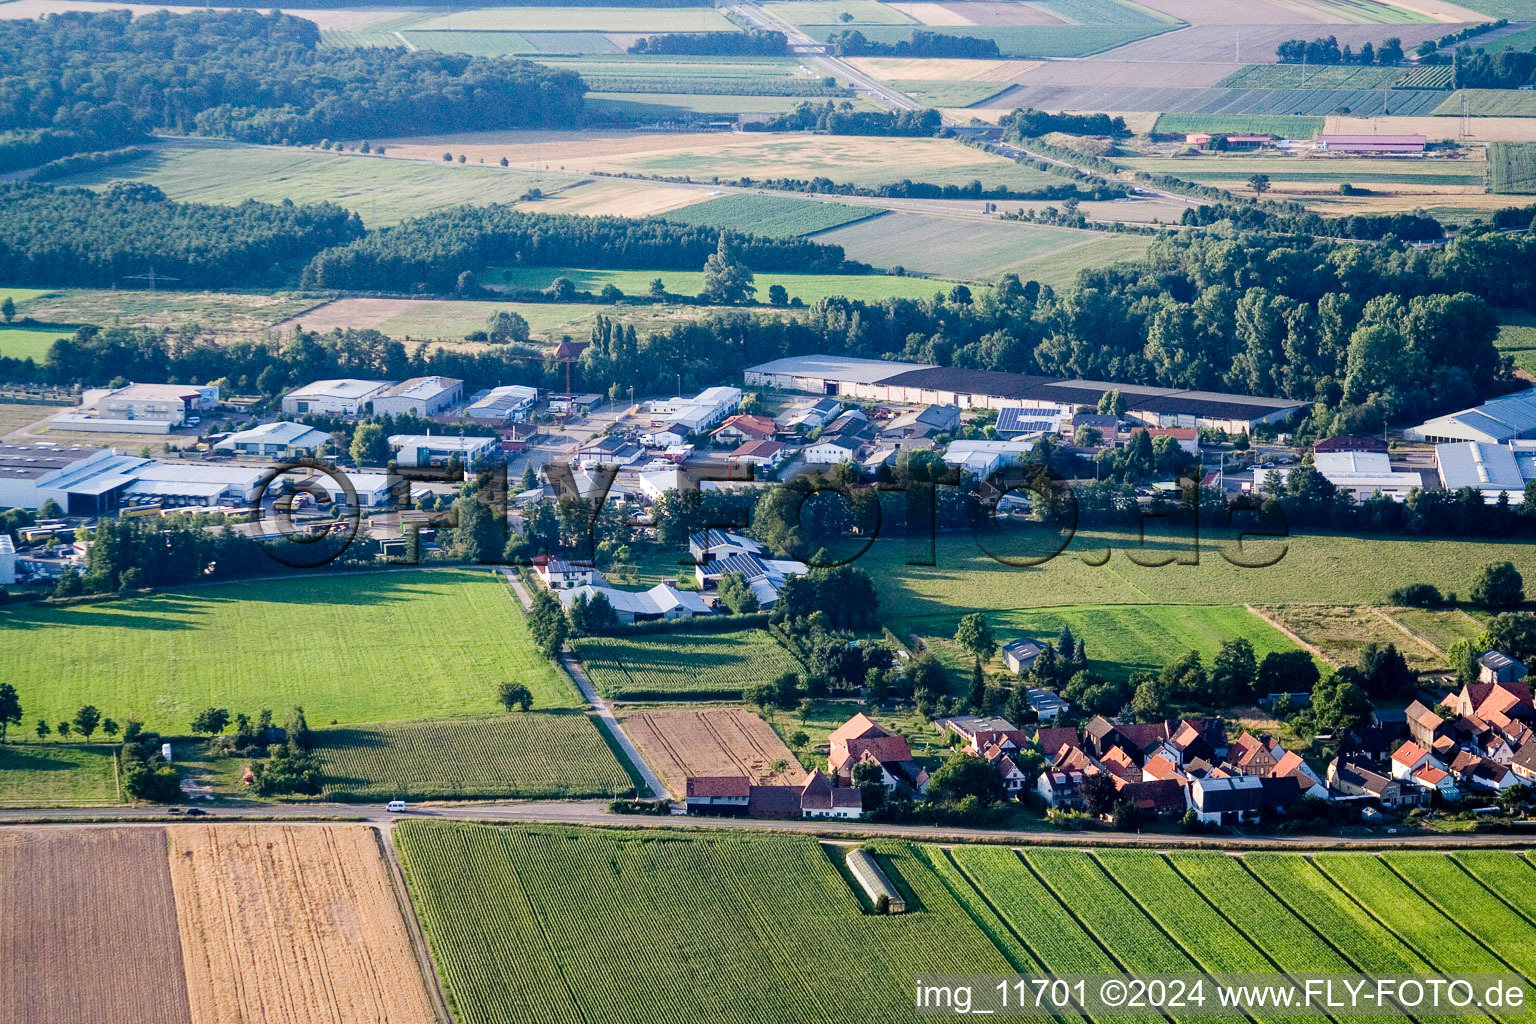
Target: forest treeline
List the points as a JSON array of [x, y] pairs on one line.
[[428, 254], [85, 81], [73, 236]]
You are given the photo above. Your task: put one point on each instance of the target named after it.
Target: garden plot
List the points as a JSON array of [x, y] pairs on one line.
[[712, 741]]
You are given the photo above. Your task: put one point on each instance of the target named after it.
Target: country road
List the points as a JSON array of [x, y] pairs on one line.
[[588, 812]]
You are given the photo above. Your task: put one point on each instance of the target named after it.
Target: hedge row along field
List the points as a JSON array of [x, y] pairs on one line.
[[683, 665], [527, 755], [727, 920]]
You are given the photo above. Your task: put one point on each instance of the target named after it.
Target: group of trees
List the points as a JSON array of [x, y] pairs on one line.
[[1301, 223], [921, 43], [1029, 123], [82, 81], [747, 43], [839, 118], [73, 236], [1326, 51], [429, 253], [1083, 190], [1503, 69]]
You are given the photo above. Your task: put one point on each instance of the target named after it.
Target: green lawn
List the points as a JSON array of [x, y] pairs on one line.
[[933, 93], [371, 647], [519, 755], [683, 665], [1517, 338], [29, 342], [808, 287], [1121, 639], [54, 774], [1312, 568]]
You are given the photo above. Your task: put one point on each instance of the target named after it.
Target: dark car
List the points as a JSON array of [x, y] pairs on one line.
[[195, 812]]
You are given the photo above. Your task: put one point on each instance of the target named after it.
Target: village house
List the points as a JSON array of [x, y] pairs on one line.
[[1019, 655], [820, 799], [861, 739], [1352, 780], [558, 574], [717, 794], [745, 427]]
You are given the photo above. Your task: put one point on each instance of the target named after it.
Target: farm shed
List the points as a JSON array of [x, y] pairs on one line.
[[1401, 145], [865, 868]]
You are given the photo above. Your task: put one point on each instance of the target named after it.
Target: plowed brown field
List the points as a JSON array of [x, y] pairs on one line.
[[714, 741], [88, 928], [292, 924]]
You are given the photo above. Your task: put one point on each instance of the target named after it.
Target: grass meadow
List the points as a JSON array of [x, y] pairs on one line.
[[370, 647], [684, 665], [36, 774], [773, 215], [808, 287], [978, 250]]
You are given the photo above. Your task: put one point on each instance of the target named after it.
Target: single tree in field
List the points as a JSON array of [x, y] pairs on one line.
[[798, 739], [109, 727], [63, 730], [975, 634], [211, 721], [1259, 183], [727, 280], [8, 309], [43, 728], [505, 326], [86, 720], [10, 708], [805, 707], [1498, 585], [515, 695]]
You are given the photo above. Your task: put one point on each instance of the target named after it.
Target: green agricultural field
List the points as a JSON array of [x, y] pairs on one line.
[[29, 342], [634, 65], [1297, 76], [55, 774], [1517, 336], [1061, 267], [519, 755], [1524, 40], [934, 93], [1121, 639], [1489, 103], [368, 647], [1439, 627], [1310, 568], [807, 287], [451, 319], [657, 104], [1512, 167], [580, 19], [1285, 126], [381, 191], [493, 44], [347, 39], [1376, 12], [776, 216], [977, 250], [830, 12], [683, 665], [491, 901], [222, 313], [728, 925]]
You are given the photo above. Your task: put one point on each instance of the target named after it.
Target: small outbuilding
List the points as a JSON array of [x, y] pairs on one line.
[[866, 870]]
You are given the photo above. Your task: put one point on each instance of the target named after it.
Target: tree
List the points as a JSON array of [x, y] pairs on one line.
[[211, 721], [1287, 672], [1338, 702], [86, 720], [1513, 633], [736, 593], [1152, 701], [978, 698], [1259, 183], [975, 634], [505, 327], [778, 295], [798, 739], [927, 674], [8, 309], [1385, 671], [370, 446], [1098, 793], [109, 727], [761, 695], [547, 623], [1498, 585], [1088, 436], [1234, 670], [49, 509], [43, 728], [966, 775], [1113, 403], [10, 708], [786, 691], [63, 730], [515, 695], [1185, 678], [727, 280]]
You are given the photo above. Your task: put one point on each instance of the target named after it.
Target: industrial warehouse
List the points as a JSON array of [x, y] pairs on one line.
[[920, 384]]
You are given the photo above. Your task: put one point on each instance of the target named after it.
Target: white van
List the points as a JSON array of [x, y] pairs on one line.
[[396, 806]]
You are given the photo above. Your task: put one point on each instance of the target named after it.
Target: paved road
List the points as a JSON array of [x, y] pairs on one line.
[[575, 812], [599, 703]]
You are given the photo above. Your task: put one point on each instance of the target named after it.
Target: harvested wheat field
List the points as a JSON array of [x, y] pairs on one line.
[[88, 928], [292, 923], [933, 69], [618, 199], [713, 741]]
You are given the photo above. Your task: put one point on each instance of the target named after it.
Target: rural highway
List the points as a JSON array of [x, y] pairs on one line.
[[587, 812]]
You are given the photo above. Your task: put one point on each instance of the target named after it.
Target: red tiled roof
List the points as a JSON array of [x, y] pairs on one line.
[[1409, 753], [718, 785], [761, 449], [1160, 767], [752, 426], [858, 726]]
